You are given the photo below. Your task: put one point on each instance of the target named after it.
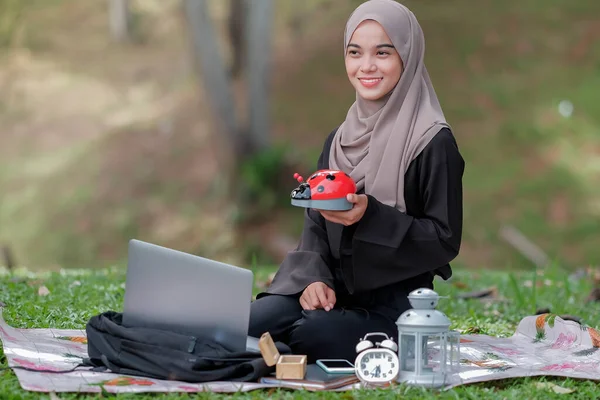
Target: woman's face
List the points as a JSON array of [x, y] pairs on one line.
[[373, 65]]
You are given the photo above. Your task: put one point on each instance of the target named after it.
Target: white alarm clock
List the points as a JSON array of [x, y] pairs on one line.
[[376, 365]]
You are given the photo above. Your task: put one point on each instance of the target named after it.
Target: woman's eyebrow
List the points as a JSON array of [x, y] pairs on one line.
[[379, 46]]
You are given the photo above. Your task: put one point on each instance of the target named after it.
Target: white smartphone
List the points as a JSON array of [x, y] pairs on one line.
[[336, 366]]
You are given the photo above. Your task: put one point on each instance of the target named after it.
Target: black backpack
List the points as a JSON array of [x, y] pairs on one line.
[[167, 355]]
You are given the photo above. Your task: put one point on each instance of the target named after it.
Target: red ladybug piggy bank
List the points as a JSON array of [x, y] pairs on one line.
[[325, 190]]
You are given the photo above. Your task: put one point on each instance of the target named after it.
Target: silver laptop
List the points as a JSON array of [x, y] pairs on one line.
[[188, 294]]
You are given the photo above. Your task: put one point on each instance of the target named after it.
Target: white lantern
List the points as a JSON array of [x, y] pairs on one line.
[[428, 351]]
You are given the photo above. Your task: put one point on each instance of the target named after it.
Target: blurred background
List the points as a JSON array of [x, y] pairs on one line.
[[181, 123]]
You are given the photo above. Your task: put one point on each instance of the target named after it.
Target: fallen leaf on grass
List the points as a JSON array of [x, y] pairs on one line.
[[270, 278], [472, 330], [478, 294], [267, 283], [593, 296], [43, 291], [460, 285], [553, 387]]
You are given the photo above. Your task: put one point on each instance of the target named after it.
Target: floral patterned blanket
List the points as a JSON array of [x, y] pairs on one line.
[[541, 345]]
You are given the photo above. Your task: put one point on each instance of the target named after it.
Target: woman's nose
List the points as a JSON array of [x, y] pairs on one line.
[[368, 65]]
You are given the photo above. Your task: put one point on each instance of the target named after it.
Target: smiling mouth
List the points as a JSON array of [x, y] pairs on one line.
[[370, 82]]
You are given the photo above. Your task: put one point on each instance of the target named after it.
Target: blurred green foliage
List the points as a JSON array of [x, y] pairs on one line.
[[261, 177], [11, 12], [501, 69]]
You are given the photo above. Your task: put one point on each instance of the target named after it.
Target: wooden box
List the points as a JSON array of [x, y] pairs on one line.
[[286, 366]]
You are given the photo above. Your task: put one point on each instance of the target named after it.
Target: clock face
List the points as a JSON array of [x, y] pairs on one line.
[[377, 365]]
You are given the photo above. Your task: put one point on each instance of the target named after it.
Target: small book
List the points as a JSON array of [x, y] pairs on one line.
[[314, 380]]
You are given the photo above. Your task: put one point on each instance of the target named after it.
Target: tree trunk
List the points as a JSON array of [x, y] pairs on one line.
[[212, 70], [119, 19], [8, 257], [237, 28], [258, 46]]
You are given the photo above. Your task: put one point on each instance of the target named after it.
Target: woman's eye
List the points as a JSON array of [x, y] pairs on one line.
[[353, 52], [382, 53]]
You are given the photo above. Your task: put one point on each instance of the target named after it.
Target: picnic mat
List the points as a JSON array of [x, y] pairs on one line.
[[541, 345]]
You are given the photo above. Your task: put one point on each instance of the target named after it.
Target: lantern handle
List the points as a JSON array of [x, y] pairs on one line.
[[375, 333]]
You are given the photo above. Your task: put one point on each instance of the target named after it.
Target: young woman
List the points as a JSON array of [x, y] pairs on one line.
[[352, 270]]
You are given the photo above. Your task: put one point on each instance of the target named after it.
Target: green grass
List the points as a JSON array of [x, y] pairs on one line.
[[77, 295]]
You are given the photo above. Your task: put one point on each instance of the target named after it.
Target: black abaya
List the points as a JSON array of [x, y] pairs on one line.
[[371, 265]]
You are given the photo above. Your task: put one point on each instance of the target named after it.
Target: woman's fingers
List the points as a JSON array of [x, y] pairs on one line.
[[318, 295], [313, 299], [331, 299], [322, 297], [304, 304]]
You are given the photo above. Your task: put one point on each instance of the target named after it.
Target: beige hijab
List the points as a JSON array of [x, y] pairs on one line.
[[379, 139]]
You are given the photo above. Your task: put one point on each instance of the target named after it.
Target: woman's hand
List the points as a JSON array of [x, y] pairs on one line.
[[351, 216], [317, 295]]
